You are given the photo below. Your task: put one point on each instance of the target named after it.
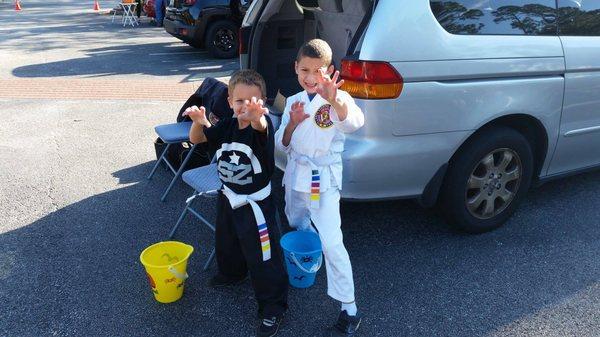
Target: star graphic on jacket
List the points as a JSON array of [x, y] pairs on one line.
[[234, 159]]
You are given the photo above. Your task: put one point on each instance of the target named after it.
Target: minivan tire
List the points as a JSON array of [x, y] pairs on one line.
[[495, 165], [222, 39]]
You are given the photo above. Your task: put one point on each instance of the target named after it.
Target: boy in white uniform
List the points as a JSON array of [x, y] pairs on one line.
[[312, 134]]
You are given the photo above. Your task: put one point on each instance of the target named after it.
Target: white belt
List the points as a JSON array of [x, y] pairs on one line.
[[316, 164], [239, 200]]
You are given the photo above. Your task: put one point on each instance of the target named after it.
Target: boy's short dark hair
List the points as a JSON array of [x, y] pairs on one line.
[[247, 77], [316, 49]]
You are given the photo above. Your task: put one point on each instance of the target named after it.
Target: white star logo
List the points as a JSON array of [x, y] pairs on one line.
[[234, 159]]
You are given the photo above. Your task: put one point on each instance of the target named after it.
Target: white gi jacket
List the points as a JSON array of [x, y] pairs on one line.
[[317, 141]]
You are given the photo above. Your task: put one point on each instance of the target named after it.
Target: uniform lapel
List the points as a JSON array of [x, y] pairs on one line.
[[315, 104]]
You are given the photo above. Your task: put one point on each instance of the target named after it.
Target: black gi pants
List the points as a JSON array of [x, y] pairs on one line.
[[238, 251]]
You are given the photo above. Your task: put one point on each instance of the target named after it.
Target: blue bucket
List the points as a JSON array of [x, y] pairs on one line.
[[303, 257]]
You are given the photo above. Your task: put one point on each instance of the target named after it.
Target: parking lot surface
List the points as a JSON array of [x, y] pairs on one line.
[[79, 97]]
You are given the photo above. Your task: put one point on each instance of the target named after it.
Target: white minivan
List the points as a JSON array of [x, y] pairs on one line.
[[466, 102]]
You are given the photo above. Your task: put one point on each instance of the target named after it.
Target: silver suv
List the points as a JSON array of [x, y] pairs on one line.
[[467, 102]]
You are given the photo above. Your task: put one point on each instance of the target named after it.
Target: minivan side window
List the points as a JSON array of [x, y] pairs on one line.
[[496, 17], [579, 17]]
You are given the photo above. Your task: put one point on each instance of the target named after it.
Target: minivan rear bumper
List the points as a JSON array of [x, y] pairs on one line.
[[392, 167], [395, 167]]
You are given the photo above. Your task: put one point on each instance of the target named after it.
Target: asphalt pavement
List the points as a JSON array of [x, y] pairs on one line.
[[76, 210]]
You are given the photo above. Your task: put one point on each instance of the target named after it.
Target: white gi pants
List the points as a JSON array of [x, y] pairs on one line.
[[327, 220]]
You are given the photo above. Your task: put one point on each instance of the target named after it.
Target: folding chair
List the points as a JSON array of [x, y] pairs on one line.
[[173, 134], [205, 182], [116, 8]]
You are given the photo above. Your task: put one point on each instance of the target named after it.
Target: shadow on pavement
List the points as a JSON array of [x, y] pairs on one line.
[[49, 26], [76, 271], [133, 59]]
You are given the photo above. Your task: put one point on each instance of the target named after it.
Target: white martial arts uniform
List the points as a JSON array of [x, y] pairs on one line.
[[313, 179]]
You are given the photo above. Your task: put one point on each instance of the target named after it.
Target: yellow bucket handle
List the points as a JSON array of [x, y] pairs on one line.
[[177, 274]]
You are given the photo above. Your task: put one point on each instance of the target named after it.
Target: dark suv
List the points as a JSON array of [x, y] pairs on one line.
[[213, 24]]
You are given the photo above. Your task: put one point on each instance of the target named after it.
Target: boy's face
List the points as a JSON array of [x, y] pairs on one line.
[[308, 73], [242, 92]]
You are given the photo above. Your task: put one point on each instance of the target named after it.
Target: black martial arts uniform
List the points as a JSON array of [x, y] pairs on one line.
[[247, 236]]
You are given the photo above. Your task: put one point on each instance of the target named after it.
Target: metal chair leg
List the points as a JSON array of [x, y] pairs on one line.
[[178, 173], [187, 208], [161, 158], [210, 259], [201, 218], [181, 217]]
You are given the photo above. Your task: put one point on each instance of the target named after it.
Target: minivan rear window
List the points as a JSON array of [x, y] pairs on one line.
[[579, 17], [496, 17]]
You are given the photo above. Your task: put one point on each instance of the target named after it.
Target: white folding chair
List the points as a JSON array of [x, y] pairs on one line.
[[129, 17], [117, 7]]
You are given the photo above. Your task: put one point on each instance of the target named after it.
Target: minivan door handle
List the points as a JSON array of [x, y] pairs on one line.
[[549, 17]]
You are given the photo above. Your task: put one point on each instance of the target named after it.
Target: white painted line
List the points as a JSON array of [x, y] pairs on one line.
[[178, 52], [206, 67]]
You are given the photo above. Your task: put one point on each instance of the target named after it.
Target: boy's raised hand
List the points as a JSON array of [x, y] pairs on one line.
[[196, 114], [327, 87], [297, 114], [253, 110]]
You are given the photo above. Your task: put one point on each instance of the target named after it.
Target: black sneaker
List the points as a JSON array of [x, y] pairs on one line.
[[268, 326], [346, 325], [221, 280]]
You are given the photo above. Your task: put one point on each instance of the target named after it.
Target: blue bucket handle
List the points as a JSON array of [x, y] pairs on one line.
[[313, 269]]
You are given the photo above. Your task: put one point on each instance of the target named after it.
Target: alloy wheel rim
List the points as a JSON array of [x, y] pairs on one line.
[[224, 39], [493, 183]]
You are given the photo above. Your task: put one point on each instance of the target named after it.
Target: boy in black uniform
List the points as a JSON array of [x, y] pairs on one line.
[[247, 237]]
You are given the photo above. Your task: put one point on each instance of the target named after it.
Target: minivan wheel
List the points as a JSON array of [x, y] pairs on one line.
[[487, 179], [222, 39]]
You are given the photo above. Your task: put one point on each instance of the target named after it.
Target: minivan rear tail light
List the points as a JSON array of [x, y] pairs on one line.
[[371, 79], [244, 37], [189, 2]]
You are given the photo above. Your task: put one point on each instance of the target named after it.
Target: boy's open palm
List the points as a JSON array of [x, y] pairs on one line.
[[196, 114], [297, 114], [327, 87], [253, 111]]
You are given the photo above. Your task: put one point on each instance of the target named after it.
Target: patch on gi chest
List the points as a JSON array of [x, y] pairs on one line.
[[235, 167], [323, 117]]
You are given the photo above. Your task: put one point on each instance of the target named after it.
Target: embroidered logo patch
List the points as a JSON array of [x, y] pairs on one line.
[[322, 117]]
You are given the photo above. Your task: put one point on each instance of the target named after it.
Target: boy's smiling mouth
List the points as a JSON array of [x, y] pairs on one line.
[[310, 85]]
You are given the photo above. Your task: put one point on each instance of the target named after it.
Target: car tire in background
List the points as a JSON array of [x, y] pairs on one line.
[[487, 179], [222, 39]]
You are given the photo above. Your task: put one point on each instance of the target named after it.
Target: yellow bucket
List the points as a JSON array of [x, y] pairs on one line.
[[165, 264]]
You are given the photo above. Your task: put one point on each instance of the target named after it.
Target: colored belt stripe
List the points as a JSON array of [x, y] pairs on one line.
[[237, 200], [315, 189], [263, 232]]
